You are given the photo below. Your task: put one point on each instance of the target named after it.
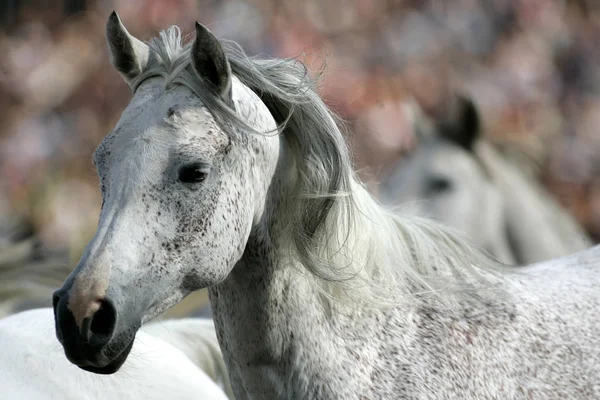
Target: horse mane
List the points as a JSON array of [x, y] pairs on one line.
[[332, 227]]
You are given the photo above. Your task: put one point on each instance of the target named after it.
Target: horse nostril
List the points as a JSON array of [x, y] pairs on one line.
[[104, 320], [98, 329]]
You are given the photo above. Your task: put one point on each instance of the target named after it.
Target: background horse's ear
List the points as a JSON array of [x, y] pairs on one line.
[[463, 127], [424, 127], [128, 55], [210, 62]]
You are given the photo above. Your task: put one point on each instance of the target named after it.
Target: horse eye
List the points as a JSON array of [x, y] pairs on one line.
[[438, 184], [193, 173]]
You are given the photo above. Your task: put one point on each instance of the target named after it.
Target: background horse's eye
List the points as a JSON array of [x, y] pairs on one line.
[[438, 184], [193, 173]]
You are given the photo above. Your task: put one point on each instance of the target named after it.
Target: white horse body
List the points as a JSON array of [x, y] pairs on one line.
[[317, 291], [33, 366], [197, 339]]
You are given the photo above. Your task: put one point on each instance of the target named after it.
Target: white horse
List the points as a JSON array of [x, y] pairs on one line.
[[230, 173], [32, 366], [461, 180]]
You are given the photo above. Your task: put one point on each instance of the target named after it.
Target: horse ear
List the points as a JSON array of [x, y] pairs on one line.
[[464, 127], [423, 126], [128, 55], [210, 62]]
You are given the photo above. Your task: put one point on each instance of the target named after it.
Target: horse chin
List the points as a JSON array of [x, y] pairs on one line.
[[113, 366]]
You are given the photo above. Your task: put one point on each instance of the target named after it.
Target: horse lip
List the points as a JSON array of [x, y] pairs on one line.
[[104, 366]]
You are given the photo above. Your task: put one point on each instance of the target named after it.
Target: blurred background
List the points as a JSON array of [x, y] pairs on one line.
[[532, 67]]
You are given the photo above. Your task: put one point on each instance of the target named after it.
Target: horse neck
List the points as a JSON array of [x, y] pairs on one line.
[[253, 308], [258, 312], [538, 227]]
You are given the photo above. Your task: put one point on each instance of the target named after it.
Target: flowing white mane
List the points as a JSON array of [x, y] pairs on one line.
[[333, 228]]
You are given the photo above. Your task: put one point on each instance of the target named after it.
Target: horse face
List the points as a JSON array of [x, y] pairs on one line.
[[180, 196], [444, 181]]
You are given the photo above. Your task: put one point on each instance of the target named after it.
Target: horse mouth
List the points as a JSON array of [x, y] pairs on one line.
[[113, 366]]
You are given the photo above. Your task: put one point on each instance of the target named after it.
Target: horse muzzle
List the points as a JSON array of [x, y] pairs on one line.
[[91, 340]]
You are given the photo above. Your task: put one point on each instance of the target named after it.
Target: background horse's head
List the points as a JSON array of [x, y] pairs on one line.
[[462, 180], [181, 192], [444, 179]]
